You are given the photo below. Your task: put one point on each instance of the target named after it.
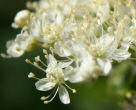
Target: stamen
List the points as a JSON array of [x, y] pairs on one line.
[[43, 98], [32, 75], [35, 65], [27, 61], [45, 52], [46, 56], [48, 101], [43, 63], [3, 55], [73, 90], [45, 102], [47, 97], [37, 59]]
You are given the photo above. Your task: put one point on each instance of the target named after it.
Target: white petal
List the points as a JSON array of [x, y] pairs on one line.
[[61, 51], [63, 95], [52, 61], [68, 72], [44, 84], [107, 40], [105, 65], [73, 75], [64, 64], [82, 73], [13, 49], [125, 44], [120, 55], [76, 78]]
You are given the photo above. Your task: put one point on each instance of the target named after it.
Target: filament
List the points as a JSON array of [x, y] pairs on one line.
[[73, 90], [47, 97], [48, 101], [35, 65]]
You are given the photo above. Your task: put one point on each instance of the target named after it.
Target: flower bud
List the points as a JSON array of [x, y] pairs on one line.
[[21, 19]]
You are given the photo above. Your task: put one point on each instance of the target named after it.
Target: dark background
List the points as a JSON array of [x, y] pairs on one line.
[[17, 92]]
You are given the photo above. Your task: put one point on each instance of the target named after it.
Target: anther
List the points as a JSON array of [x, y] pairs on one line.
[[45, 52], [43, 98], [46, 102], [31, 75], [37, 58], [46, 56], [3, 55], [27, 61], [36, 64], [74, 91]]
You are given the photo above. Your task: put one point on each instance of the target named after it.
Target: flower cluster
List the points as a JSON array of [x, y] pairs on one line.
[[81, 39]]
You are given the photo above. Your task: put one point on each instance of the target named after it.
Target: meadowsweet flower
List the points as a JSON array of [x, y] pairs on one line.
[[22, 43], [105, 50], [85, 70], [85, 36], [13, 49], [54, 79], [21, 19]]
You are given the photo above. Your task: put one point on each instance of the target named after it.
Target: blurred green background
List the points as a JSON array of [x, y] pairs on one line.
[[19, 93]]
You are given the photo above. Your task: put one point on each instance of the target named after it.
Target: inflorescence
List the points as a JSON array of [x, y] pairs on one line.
[[80, 39]]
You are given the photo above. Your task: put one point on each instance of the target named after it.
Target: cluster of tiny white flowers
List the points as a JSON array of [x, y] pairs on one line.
[[80, 40]]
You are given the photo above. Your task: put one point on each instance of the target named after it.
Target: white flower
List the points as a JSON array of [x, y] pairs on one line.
[[13, 49], [54, 79], [105, 50], [88, 35], [22, 43], [21, 19], [84, 67], [85, 70]]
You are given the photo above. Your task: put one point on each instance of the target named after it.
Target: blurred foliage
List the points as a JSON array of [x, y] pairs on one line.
[[18, 92]]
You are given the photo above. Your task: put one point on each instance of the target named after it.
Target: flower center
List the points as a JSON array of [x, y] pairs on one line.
[[56, 75], [97, 50]]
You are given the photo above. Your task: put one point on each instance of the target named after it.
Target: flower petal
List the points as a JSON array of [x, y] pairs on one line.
[[125, 44], [105, 65], [120, 54], [73, 75], [64, 64], [44, 84], [63, 95], [13, 49], [52, 61], [61, 51]]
